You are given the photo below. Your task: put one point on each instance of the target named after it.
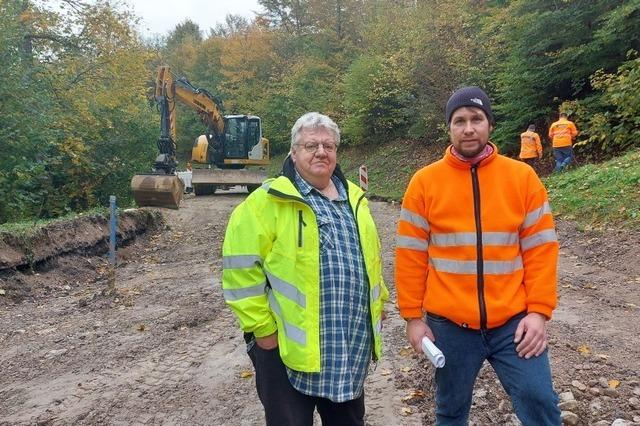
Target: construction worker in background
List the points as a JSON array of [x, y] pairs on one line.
[[302, 272], [562, 133], [476, 268], [189, 166], [530, 146]]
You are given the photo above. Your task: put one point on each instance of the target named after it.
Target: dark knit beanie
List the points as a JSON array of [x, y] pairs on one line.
[[469, 97]]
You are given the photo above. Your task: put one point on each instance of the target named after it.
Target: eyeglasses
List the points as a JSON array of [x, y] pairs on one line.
[[312, 147]]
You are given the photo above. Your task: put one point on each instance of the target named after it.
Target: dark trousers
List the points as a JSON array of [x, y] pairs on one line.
[[563, 156], [285, 406]]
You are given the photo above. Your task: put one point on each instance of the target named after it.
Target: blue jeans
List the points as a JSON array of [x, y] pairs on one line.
[[527, 381], [563, 157]]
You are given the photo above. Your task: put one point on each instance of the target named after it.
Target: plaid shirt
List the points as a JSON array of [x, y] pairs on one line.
[[345, 322]]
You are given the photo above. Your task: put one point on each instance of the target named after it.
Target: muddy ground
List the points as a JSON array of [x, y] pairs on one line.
[[162, 348]]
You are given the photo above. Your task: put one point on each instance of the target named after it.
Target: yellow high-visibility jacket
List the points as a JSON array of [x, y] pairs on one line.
[[271, 269], [530, 146], [562, 133]]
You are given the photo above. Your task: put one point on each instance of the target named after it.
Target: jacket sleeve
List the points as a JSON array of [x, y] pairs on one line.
[[245, 247], [538, 145], [573, 130], [539, 246], [412, 258]]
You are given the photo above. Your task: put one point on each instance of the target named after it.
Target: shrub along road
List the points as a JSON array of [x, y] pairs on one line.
[[164, 349]]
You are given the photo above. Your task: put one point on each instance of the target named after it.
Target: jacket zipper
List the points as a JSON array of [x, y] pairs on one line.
[[300, 225], [480, 260]]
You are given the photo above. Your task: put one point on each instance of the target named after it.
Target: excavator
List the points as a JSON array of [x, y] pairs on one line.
[[219, 157]]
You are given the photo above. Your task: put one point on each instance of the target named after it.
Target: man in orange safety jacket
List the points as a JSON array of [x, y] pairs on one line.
[[530, 146], [476, 268], [562, 133]]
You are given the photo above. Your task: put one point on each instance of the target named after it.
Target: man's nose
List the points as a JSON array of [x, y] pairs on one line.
[[468, 127], [321, 149]]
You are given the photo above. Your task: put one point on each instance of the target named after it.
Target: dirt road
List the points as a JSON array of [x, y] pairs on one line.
[[164, 349]]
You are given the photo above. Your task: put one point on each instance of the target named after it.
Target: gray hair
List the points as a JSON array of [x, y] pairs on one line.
[[314, 120]]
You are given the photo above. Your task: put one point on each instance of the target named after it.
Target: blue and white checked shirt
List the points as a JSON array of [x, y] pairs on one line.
[[345, 322]]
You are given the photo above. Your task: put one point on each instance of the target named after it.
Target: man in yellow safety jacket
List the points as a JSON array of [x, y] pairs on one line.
[[562, 133], [302, 272], [530, 146]]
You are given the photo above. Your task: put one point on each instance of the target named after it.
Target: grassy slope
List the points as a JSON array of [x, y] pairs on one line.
[[594, 195], [599, 195]]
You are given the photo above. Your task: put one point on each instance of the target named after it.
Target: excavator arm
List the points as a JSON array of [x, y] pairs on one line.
[[168, 91]]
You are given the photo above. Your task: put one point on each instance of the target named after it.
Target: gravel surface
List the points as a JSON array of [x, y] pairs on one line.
[[161, 347]]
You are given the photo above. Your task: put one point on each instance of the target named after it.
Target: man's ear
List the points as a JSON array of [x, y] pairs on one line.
[[490, 128]]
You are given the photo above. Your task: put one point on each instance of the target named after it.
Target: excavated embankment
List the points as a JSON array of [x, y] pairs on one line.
[[74, 248], [84, 234]]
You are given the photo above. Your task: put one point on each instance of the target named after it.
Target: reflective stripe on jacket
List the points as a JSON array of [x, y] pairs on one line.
[[562, 133], [476, 244], [271, 269], [530, 146]]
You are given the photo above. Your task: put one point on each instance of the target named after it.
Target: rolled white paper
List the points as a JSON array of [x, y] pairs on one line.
[[432, 352]]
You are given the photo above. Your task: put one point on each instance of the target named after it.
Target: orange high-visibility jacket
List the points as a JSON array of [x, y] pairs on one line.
[[476, 245], [530, 146], [562, 133]]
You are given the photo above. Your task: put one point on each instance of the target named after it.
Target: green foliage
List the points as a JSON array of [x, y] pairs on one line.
[[599, 195], [74, 103], [544, 52], [610, 119], [376, 96]]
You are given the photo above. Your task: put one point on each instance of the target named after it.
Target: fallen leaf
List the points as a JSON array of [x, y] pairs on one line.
[[602, 356], [142, 327], [385, 372], [613, 383], [246, 373], [406, 411], [584, 349], [2, 292], [416, 394], [405, 369], [406, 351]]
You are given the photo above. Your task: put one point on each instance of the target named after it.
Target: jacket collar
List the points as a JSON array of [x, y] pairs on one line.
[[454, 161]]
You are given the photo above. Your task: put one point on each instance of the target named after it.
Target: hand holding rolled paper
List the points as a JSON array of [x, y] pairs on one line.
[[432, 352]]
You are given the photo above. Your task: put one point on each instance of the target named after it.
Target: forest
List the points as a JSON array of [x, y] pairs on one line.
[[77, 120]]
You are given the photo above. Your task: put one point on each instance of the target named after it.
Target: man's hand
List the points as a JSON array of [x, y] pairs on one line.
[[268, 342], [531, 335], [416, 330]]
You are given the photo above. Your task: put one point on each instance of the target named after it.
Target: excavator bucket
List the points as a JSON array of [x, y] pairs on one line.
[[154, 190]]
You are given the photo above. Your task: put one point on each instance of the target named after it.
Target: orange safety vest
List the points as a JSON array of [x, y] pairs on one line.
[[530, 146], [562, 133], [476, 244]]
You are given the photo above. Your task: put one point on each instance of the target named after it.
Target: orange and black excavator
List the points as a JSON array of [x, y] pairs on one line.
[[219, 157]]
